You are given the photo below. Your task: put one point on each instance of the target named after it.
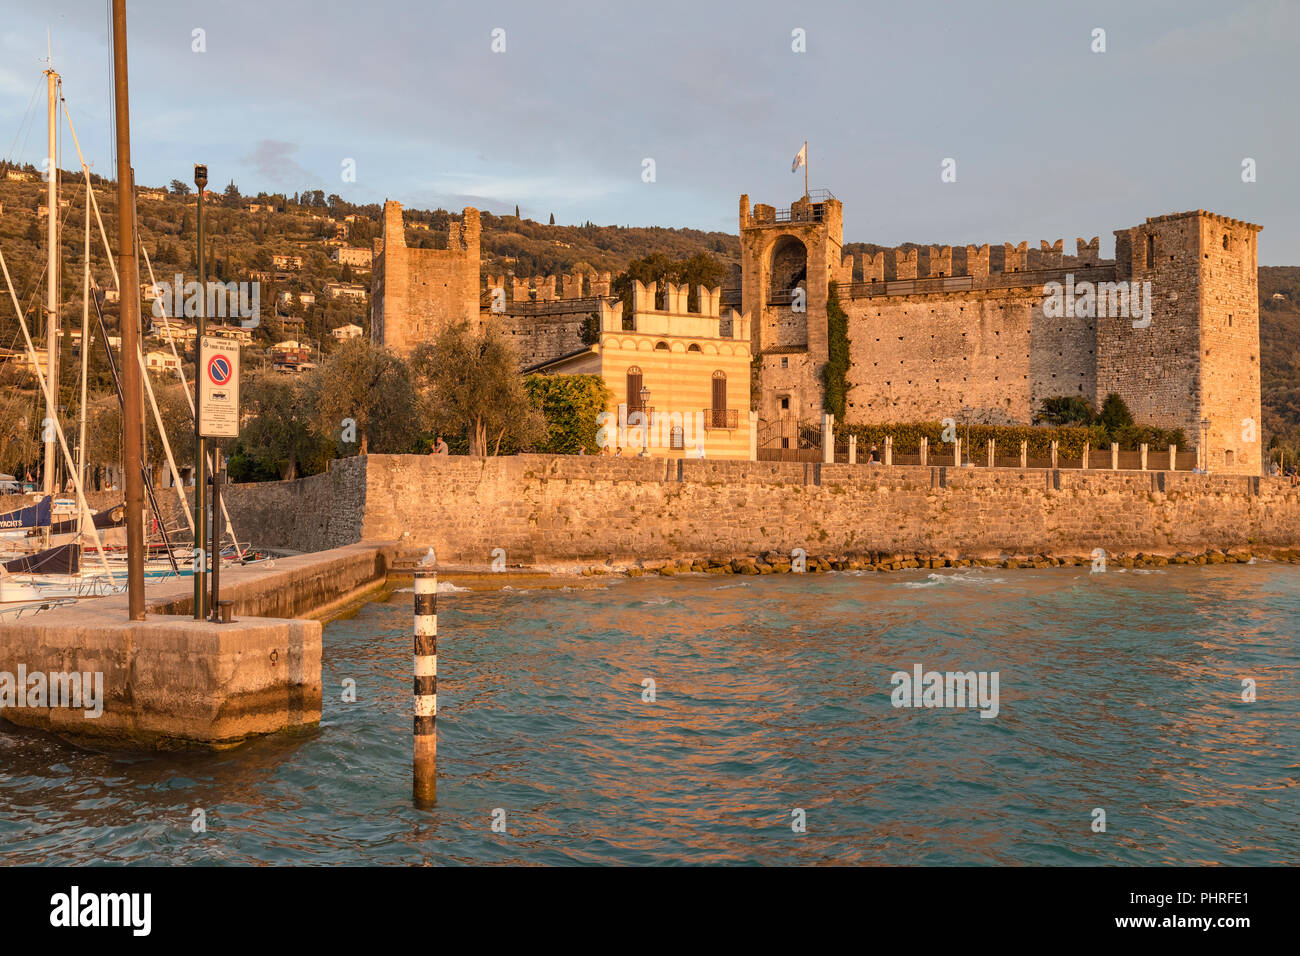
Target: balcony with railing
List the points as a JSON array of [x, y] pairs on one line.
[[721, 418]]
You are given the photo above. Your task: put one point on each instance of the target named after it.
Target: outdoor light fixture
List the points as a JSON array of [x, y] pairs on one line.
[[200, 175]]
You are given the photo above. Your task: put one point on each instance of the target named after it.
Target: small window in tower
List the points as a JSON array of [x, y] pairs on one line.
[[785, 361], [1225, 240], [1151, 251]]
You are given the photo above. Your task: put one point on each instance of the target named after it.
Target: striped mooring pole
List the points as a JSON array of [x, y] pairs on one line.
[[426, 683]]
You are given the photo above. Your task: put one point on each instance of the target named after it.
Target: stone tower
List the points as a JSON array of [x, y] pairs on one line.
[[418, 292], [1196, 366], [788, 259]]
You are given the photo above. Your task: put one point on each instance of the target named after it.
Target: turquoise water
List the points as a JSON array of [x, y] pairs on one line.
[[1120, 691]]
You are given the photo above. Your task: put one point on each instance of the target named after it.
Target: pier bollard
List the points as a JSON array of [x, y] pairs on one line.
[[426, 684]]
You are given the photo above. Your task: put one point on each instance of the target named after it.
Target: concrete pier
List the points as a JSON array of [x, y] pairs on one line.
[[171, 682]]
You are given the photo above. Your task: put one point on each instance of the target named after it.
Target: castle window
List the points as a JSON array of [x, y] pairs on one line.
[[1151, 251], [785, 361], [693, 348], [1225, 241], [634, 389], [785, 402], [719, 399], [661, 346]]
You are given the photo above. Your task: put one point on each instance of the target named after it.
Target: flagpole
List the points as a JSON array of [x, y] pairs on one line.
[[806, 194]]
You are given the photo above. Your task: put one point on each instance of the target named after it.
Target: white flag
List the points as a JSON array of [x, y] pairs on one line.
[[800, 159]]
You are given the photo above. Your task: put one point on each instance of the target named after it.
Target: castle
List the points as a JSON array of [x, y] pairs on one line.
[[972, 333]]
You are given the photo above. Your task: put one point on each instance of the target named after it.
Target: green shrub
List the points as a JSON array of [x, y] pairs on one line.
[[570, 404]]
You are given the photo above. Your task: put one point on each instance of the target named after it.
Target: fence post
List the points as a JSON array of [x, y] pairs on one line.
[[993, 442], [1087, 449], [1114, 456], [1024, 454], [889, 449], [1055, 446], [1144, 456], [853, 449], [426, 682], [925, 450], [828, 439], [956, 453], [1173, 457]]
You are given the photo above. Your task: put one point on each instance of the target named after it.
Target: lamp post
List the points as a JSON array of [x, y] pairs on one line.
[[200, 452], [644, 395], [1205, 445]]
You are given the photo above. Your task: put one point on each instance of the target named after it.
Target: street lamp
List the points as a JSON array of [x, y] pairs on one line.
[[200, 452], [644, 395], [1205, 445]]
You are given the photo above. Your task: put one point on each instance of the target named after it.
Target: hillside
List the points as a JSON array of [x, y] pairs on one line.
[[311, 225]]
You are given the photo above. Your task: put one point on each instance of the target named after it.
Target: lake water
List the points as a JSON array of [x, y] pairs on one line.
[[1120, 691]]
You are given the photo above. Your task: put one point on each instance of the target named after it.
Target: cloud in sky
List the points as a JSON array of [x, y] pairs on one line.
[[1051, 139], [271, 161]]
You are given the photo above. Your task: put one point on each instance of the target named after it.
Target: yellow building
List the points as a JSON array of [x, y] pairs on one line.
[[679, 379]]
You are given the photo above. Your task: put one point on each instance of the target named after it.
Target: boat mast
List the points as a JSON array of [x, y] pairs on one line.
[[133, 396], [85, 342], [52, 278]]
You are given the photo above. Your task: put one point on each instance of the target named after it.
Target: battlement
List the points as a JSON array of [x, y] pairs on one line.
[[1224, 220], [986, 266], [819, 205], [675, 319], [566, 287]]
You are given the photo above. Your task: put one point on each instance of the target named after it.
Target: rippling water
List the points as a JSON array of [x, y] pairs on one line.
[[1119, 690]]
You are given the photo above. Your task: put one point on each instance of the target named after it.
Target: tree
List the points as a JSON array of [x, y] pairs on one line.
[[571, 405], [1114, 415], [363, 398], [180, 188], [473, 387], [552, 219], [277, 437], [1065, 410], [516, 210]]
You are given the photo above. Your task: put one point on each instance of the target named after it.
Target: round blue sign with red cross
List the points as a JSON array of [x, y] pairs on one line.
[[220, 370]]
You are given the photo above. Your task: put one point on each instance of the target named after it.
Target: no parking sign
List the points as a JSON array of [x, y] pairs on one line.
[[218, 388]]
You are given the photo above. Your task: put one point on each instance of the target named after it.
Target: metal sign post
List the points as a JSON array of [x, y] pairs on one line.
[[218, 415]]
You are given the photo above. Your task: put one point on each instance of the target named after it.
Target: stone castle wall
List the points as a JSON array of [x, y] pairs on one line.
[[928, 357]]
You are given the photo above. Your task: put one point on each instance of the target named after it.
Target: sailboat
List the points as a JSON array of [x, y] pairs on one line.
[[58, 565]]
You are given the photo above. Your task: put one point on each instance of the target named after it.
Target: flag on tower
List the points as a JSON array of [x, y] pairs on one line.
[[801, 158]]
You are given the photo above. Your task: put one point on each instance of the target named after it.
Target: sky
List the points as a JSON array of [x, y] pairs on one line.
[[1050, 138]]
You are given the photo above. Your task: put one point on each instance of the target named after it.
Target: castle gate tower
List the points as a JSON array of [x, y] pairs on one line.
[[788, 258]]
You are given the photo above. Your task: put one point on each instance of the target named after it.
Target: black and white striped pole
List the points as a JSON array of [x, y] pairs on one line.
[[426, 681]]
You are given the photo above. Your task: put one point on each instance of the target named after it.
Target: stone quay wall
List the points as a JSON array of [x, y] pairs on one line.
[[557, 510]]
